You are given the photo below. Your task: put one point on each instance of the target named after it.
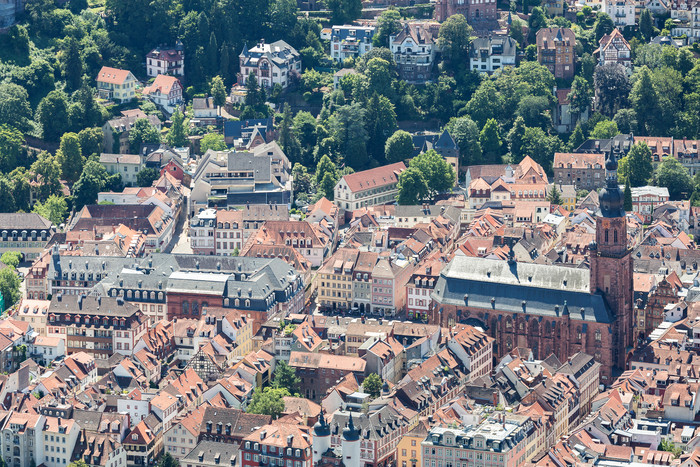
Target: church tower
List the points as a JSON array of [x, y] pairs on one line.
[[611, 264]]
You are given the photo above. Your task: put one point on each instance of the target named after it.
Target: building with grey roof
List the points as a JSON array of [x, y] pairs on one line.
[[503, 438], [491, 53], [231, 178], [28, 233], [273, 63], [213, 454]]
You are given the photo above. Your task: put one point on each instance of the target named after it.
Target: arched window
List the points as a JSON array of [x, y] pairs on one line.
[[185, 308]]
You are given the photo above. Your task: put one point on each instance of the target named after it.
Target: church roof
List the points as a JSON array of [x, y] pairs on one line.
[[530, 289]]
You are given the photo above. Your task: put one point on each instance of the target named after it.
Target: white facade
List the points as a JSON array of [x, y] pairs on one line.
[[23, 440], [351, 41], [271, 64], [137, 409], [60, 437], [47, 349], [178, 441], [127, 165], [622, 12], [490, 54]]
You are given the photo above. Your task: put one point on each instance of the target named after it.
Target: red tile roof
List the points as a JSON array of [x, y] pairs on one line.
[[374, 178]]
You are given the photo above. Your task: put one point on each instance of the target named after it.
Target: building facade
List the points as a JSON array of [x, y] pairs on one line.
[[584, 171], [351, 41], [271, 64], [473, 10], [493, 442], [491, 53], [116, 84], [414, 50], [369, 187], [27, 233], [556, 49], [166, 61], [98, 326], [551, 309]]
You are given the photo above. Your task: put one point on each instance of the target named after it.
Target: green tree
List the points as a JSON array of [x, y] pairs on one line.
[[438, 174], [93, 180], [218, 91], [491, 141], [380, 122], [588, 66], [167, 460], [90, 140], [540, 146], [538, 20], [412, 187], [379, 73], [576, 139], [7, 199], [143, 132], [536, 111], [645, 101], [177, 136], [646, 25], [454, 39], [301, 179], [213, 141], [70, 157], [516, 32], [344, 11], [399, 147], [638, 168], [515, 139], [554, 196], [286, 378], [11, 142], [304, 130], [603, 25], [485, 103], [267, 401], [55, 209], [47, 175], [21, 190], [671, 174], [72, 64], [76, 6], [11, 258], [52, 114], [466, 134], [626, 120], [327, 186], [347, 127], [147, 176], [326, 166], [15, 110], [283, 17], [580, 96], [290, 145], [372, 385], [612, 88], [9, 286], [605, 129], [628, 198], [388, 24], [685, 62]]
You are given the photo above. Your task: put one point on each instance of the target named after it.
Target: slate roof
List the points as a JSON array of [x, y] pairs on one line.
[[214, 453], [23, 221], [498, 45], [532, 289]]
